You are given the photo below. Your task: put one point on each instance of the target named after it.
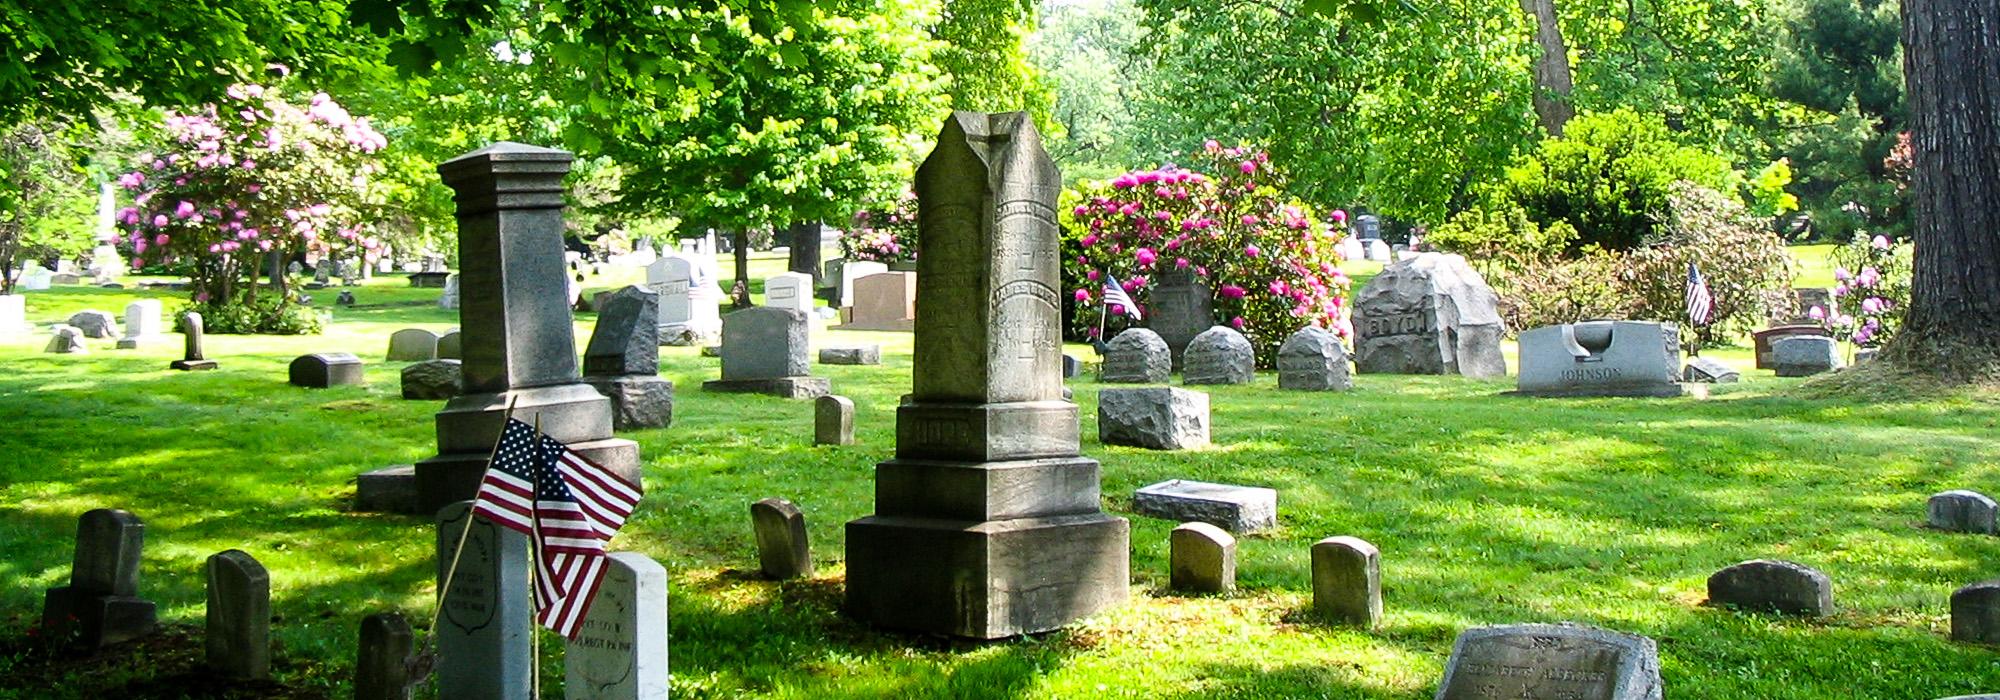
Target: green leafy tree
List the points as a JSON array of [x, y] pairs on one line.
[[1840, 68], [983, 47], [45, 196], [1085, 50]]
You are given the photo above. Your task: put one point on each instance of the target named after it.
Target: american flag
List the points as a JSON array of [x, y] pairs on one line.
[[1700, 304], [1114, 293], [568, 506]]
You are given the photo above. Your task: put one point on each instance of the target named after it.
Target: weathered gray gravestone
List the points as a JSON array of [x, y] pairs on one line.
[[1136, 356], [1183, 308], [450, 347], [142, 324], [238, 634], [412, 345], [192, 359], [620, 649], [1232, 508], [1975, 613], [764, 352], [1600, 358], [519, 339], [1347, 581], [851, 355], [1220, 355], [833, 420], [988, 523], [1313, 360], [326, 370], [385, 664], [1772, 586], [1071, 367], [94, 323], [484, 623], [1708, 371], [1201, 559], [67, 340], [782, 549], [1551, 661], [100, 606], [1804, 355], [1962, 511], [623, 360], [1154, 417], [433, 380], [1429, 314]]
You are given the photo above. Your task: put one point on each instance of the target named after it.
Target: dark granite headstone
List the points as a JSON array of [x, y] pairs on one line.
[[100, 606], [1975, 613], [1962, 511], [988, 523], [782, 550], [1551, 661], [386, 664], [627, 338], [1136, 356], [326, 370], [1182, 308], [764, 352], [192, 359], [1772, 586], [238, 635], [433, 380]]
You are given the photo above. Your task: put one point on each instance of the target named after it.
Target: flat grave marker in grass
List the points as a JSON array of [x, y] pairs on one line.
[[1571, 662]]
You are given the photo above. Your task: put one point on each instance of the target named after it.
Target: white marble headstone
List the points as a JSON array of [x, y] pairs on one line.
[[142, 323], [789, 290], [853, 271], [484, 618], [620, 651], [13, 316]]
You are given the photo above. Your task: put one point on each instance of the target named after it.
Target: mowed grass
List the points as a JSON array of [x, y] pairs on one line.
[[1488, 509]]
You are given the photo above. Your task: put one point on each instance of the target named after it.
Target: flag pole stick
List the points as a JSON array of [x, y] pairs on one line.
[[452, 570], [534, 565]]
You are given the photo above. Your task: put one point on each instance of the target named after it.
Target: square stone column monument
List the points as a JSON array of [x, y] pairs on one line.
[[518, 339], [987, 523]]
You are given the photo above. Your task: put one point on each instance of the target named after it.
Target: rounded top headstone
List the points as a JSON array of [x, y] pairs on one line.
[[1220, 338], [1310, 341], [1774, 586]]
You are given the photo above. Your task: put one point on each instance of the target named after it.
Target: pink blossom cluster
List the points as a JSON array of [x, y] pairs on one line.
[[883, 235]]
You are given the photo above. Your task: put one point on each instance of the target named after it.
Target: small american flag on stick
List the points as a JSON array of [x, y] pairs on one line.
[[1114, 293], [1700, 304], [568, 506]]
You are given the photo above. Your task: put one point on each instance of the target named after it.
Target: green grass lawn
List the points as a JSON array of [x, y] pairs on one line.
[[1488, 509]]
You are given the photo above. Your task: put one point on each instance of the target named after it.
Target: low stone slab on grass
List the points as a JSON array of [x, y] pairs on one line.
[[1238, 509]]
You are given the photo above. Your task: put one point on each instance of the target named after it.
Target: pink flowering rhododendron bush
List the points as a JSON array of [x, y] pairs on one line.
[[246, 179], [884, 235], [1224, 217], [1871, 290]]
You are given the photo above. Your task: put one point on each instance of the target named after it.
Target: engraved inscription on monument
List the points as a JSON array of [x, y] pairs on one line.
[[1551, 662]]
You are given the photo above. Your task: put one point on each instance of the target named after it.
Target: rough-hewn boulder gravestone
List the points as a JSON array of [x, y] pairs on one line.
[[884, 302], [1313, 360], [833, 420], [66, 339], [1708, 371], [1239, 509], [94, 323], [238, 633], [623, 360], [1804, 355], [519, 339], [101, 605], [1551, 661], [851, 355], [1962, 511], [1429, 314], [1136, 356], [1347, 581], [385, 662], [1182, 308], [1600, 358], [1220, 355], [1201, 559], [620, 649], [484, 617], [1975, 613], [412, 345], [1764, 340], [1154, 417], [764, 352], [325, 370], [432, 381], [192, 359], [142, 324], [782, 549], [854, 271], [988, 523], [1772, 586], [789, 290]]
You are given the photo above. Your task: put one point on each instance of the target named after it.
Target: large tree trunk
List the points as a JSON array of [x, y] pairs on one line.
[[1951, 63], [739, 293], [1552, 76], [804, 240]]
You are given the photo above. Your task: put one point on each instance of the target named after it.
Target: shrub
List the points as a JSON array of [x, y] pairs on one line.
[[1745, 265], [1269, 260], [1868, 303], [1496, 238], [1611, 175], [251, 177], [1545, 290], [887, 235]]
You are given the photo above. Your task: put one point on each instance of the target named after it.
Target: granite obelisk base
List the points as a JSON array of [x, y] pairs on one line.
[[985, 580], [468, 426]]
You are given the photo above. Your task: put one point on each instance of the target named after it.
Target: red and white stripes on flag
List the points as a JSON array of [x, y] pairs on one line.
[[1114, 293], [568, 506], [1700, 303]]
